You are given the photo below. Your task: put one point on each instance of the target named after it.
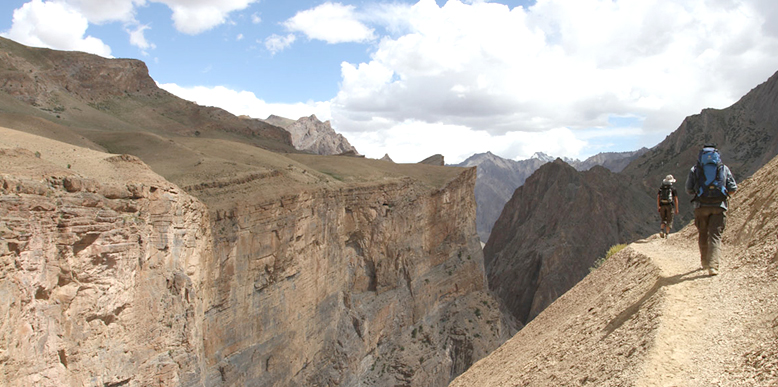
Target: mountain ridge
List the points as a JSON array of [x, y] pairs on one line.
[[650, 316]]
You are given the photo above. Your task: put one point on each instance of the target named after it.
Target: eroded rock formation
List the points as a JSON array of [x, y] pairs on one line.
[[311, 135], [115, 276], [380, 284], [99, 278]]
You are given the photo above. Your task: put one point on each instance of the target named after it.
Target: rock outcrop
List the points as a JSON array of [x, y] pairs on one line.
[[497, 179], [553, 230], [436, 159], [100, 271], [373, 283], [311, 135]]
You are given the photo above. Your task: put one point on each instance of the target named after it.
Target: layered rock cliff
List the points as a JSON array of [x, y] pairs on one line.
[[310, 270], [368, 285], [127, 281], [100, 271]]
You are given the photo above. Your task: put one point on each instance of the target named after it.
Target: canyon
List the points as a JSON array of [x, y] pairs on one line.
[[149, 240]]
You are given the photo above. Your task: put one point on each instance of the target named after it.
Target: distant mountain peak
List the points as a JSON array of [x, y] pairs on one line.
[[542, 157], [310, 134]]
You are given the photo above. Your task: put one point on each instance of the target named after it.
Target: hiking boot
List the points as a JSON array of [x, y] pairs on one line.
[[713, 271], [661, 233]]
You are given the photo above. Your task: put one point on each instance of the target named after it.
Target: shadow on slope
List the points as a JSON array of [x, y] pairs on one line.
[[603, 330]]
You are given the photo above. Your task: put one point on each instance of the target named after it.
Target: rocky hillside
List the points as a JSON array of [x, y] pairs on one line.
[[746, 134], [554, 228], [499, 177], [306, 271], [75, 91], [650, 317], [311, 135], [102, 265]]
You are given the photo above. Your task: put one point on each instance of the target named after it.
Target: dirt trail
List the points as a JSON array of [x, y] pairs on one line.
[[702, 336]]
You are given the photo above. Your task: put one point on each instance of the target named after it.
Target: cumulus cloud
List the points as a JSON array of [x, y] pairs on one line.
[[61, 24], [332, 23], [241, 102], [138, 38], [276, 43], [102, 11], [55, 25], [499, 71], [412, 141]]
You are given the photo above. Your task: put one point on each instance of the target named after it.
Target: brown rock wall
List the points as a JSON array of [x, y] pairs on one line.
[[375, 284], [97, 290]]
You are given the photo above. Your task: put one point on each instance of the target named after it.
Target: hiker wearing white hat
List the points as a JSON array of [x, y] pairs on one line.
[[666, 205]]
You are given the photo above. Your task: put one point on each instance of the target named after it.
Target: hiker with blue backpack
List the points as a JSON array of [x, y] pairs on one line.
[[666, 205], [711, 183]]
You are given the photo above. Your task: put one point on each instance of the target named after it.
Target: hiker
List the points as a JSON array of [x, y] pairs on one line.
[[711, 183], [666, 205]]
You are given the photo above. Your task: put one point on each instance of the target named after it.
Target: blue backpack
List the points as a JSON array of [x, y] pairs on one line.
[[711, 187]]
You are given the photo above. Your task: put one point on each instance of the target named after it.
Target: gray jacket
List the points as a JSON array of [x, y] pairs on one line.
[[692, 187]]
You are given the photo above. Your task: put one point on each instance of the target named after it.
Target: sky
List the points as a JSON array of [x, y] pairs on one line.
[[413, 78]]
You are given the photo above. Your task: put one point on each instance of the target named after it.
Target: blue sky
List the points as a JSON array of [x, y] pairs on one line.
[[417, 77]]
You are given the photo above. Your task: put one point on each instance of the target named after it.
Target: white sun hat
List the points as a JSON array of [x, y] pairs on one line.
[[669, 179]]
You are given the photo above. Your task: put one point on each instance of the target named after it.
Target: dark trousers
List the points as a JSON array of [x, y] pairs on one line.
[[666, 214], [710, 222]]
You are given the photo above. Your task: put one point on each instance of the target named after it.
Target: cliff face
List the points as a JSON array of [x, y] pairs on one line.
[[100, 278], [497, 179], [553, 230], [378, 284], [305, 270], [115, 276]]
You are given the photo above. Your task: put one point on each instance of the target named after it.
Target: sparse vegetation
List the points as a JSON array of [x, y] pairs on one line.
[[613, 250]]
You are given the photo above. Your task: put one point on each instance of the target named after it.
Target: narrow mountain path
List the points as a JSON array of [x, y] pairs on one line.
[[703, 333]]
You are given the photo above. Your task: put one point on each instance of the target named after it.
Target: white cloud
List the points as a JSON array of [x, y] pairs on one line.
[[61, 24], [276, 43], [246, 103], [138, 38], [255, 18], [332, 23], [412, 141], [102, 11], [558, 64], [54, 25]]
